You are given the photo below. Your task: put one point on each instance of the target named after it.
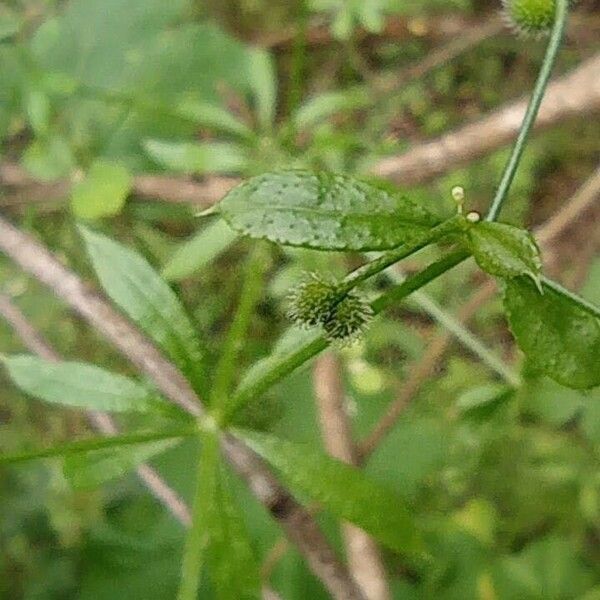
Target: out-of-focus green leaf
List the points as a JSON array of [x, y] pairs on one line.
[[481, 397], [547, 568], [504, 250], [92, 469], [218, 536], [325, 105], [198, 251], [81, 385], [10, 22], [342, 489], [559, 338], [198, 157], [550, 401], [37, 106], [323, 211], [103, 191], [143, 295], [263, 82], [213, 117], [49, 159]]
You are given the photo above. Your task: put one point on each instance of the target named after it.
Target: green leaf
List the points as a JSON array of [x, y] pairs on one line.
[[550, 402], [81, 385], [504, 251], [218, 535], [103, 191], [85, 471], [10, 22], [342, 489], [198, 157], [49, 159], [147, 299], [559, 338], [323, 211], [263, 82], [213, 117], [93, 444], [197, 252], [37, 106], [325, 105]]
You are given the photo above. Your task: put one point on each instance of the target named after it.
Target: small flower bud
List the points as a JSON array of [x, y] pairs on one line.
[[473, 217], [458, 193]]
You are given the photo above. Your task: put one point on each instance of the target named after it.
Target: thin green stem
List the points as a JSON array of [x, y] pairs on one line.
[[249, 296], [197, 538], [289, 362], [508, 175], [96, 444], [377, 265]]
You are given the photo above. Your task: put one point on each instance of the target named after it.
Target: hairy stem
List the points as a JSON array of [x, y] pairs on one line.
[[537, 96]]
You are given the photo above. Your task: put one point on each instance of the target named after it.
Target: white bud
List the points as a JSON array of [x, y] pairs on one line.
[[458, 193], [473, 217]]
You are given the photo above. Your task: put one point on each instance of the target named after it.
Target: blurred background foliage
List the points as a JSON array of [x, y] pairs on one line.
[[505, 481]]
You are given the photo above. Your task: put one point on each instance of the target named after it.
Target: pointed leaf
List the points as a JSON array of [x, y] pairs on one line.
[[147, 299], [82, 386], [93, 444], [504, 251], [103, 192], [85, 471], [323, 106], [340, 488], [323, 211], [263, 81], [559, 338], [197, 157], [213, 117], [201, 249]]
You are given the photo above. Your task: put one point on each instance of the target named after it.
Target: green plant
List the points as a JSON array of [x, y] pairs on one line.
[[558, 331]]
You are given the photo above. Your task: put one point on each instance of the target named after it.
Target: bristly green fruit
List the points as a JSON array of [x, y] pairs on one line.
[[349, 320], [311, 302], [530, 17], [320, 302]]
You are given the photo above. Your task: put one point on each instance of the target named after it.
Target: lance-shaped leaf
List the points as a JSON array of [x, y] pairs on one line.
[[147, 299], [197, 252], [82, 385], [559, 337], [504, 251], [218, 536], [342, 489], [90, 470], [93, 444], [324, 211]]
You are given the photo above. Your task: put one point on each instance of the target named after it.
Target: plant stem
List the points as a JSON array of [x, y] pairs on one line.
[[96, 444], [249, 296], [560, 19], [377, 265], [197, 540], [304, 353]]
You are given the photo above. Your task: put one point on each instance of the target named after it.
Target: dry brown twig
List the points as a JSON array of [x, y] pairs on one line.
[[363, 554]]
